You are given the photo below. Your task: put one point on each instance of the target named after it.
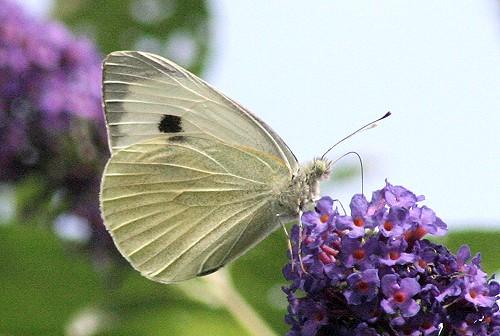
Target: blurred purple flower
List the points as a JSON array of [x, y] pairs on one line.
[[51, 120]]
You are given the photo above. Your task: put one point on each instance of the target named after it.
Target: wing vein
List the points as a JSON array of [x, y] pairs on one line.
[[201, 269], [185, 250], [168, 229], [198, 220]]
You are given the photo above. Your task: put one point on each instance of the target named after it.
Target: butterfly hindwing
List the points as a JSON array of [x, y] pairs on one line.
[[182, 206]]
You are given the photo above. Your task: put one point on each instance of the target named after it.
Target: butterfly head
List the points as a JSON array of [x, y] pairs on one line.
[[304, 186], [316, 171]]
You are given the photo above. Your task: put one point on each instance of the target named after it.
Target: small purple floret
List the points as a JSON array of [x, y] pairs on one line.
[[362, 286], [399, 295], [399, 196]]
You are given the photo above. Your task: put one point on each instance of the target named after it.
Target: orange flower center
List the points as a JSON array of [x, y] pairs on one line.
[[388, 226], [426, 325], [420, 232], [362, 286], [318, 316], [422, 263], [359, 254], [408, 235], [399, 297], [394, 255], [324, 218], [359, 222], [473, 294]]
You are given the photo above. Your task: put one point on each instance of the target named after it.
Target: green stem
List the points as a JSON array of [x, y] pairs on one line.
[[221, 286]]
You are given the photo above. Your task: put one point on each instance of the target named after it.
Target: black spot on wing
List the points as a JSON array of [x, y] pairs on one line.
[[170, 124]]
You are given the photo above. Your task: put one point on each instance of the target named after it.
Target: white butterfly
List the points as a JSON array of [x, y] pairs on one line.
[[194, 180]]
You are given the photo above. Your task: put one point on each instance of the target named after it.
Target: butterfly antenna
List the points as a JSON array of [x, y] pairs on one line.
[[289, 241], [367, 126], [360, 165]]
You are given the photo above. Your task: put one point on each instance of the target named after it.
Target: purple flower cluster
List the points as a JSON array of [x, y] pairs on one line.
[[49, 93], [372, 273], [51, 120]]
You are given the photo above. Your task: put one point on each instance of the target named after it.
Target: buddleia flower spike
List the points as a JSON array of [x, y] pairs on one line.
[[373, 272]]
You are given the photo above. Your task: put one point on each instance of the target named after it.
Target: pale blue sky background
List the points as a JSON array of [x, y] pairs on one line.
[[317, 70]]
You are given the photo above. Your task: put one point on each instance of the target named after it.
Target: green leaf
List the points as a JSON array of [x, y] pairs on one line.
[[36, 200], [258, 277], [42, 285], [175, 319], [31, 194], [142, 307], [45, 287]]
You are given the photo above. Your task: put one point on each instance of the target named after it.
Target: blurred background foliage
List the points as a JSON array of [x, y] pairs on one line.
[[59, 273], [177, 29]]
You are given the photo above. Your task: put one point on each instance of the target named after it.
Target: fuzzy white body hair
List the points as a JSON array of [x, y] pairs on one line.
[[304, 186]]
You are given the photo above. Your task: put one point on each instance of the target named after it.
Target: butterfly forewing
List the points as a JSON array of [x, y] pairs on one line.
[[181, 206], [146, 95]]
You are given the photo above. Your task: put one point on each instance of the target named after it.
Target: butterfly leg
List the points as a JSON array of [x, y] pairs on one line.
[[299, 250], [289, 241]]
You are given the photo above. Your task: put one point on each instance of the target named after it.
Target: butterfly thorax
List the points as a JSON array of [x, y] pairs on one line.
[[304, 186]]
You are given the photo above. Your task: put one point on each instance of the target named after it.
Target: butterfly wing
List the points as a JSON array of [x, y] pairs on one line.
[[179, 206], [146, 95]]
